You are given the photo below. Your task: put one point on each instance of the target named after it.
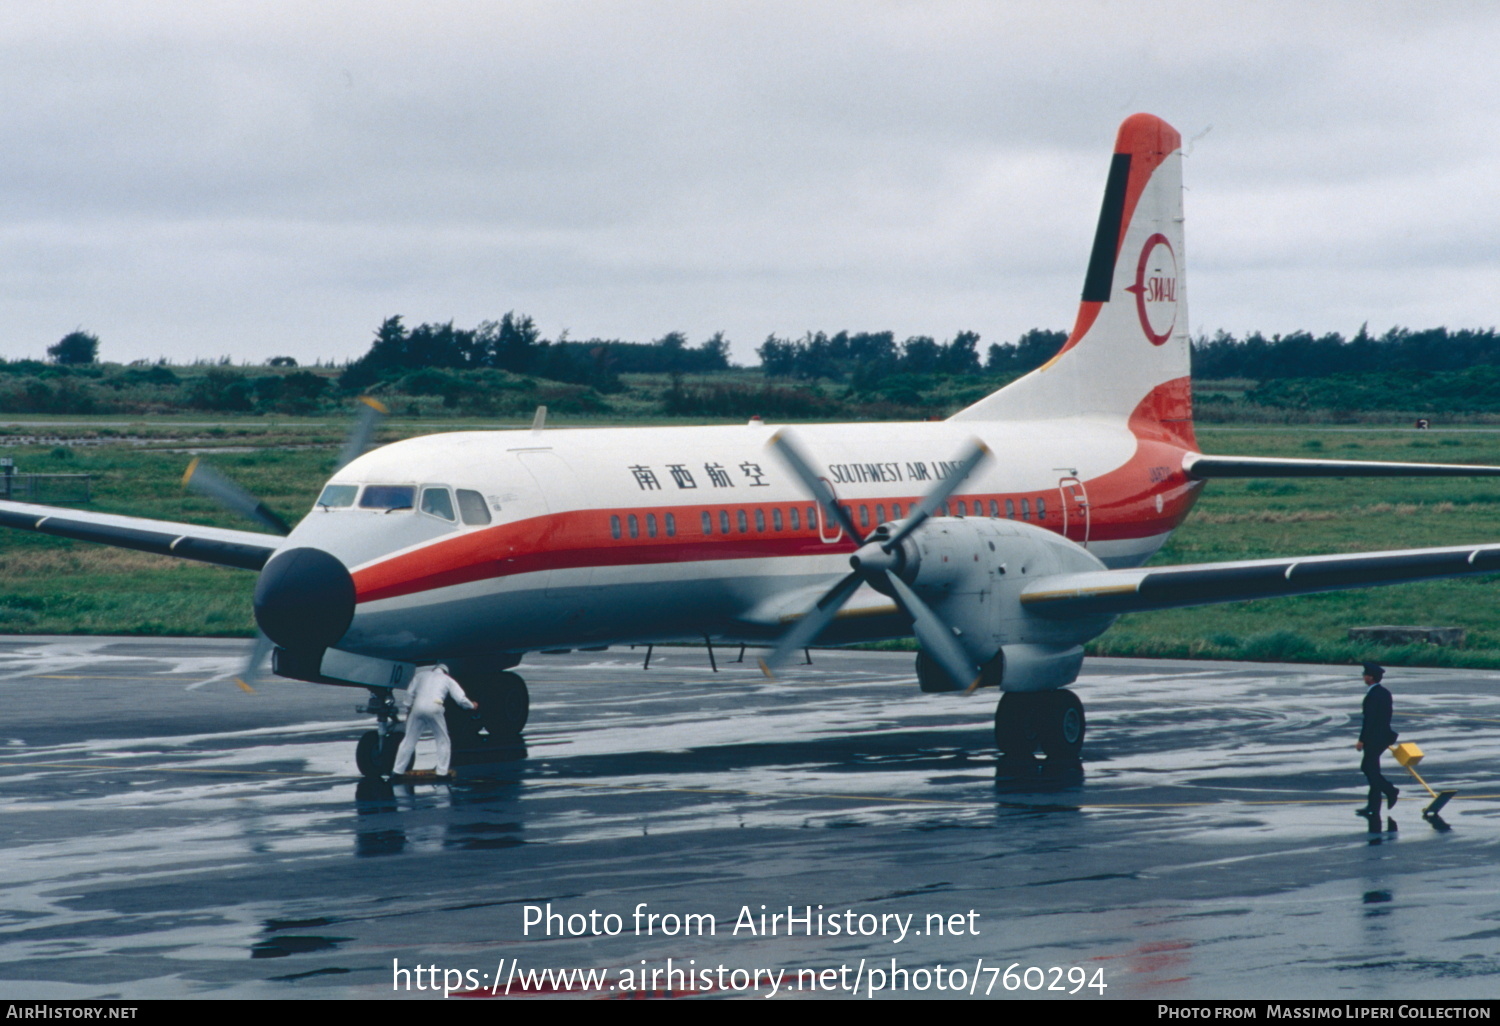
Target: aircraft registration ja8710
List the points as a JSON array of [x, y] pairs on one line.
[[1003, 538]]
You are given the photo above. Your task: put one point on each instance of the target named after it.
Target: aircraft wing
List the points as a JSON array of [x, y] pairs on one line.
[[246, 550], [1202, 465], [1108, 592]]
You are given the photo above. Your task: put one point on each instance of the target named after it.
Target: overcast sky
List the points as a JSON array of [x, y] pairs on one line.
[[252, 179]]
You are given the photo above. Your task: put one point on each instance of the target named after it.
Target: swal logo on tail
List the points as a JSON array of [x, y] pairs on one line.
[[1155, 289]]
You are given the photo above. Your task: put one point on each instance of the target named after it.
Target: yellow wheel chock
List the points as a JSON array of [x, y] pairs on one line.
[[1409, 755]]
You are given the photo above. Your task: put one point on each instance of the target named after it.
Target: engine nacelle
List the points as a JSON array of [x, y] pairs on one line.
[[972, 572]]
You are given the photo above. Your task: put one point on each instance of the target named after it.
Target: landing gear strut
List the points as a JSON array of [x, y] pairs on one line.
[[375, 755], [1050, 720], [503, 707]]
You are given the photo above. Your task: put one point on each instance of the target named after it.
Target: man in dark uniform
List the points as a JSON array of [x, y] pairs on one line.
[[1375, 736]]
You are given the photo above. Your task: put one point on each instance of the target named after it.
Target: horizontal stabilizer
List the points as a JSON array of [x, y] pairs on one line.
[[1203, 466], [1112, 592], [243, 549]]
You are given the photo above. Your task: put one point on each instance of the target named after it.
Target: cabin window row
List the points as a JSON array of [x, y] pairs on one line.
[[961, 507], [779, 520], [632, 525], [667, 525], [958, 507]]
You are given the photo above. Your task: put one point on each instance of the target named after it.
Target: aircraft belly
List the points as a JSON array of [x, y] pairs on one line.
[[584, 606], [1127, 553]]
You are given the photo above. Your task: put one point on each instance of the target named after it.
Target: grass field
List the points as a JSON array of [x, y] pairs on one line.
[[54, 586], [1251, 519]]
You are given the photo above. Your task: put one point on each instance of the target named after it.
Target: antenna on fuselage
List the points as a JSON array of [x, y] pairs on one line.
[[540, 420]]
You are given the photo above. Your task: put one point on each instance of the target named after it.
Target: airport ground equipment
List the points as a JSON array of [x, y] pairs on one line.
[[1409, 755]]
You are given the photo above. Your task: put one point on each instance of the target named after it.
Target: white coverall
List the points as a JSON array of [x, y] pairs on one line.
[[426, 692]]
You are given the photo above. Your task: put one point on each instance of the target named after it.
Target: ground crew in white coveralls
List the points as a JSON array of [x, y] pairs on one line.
[[428, 688]]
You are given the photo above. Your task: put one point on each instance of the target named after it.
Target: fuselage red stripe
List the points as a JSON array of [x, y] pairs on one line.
[[582, 538], [1147, 496]]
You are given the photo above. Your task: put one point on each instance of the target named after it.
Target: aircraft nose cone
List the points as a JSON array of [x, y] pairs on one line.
[[304, 599]]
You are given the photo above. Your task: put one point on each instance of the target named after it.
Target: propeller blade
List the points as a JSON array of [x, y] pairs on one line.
[[936, 638], [815, 485], [363, 433], [255, 658], [205, 480], [978, 452], [811, 625]]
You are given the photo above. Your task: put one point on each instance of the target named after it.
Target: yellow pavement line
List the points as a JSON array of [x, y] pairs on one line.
[[1450, 715], [753, 794], [153, 679], [163, 769], [971, 804], [879, 799], [158, 677], [1288, 801]]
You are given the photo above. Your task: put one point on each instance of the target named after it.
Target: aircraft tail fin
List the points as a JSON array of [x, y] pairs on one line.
[[1128, 354]]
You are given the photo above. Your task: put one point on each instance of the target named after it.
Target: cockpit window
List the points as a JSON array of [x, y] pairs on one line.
[[471, 506], [336, 495], [438, 502], [388, 497]]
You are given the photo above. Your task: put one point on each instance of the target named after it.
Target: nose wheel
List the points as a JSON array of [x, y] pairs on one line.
[[375, 754], [1050, 720]]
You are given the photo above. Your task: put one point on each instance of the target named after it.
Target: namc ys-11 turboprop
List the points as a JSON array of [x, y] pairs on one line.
[[1004, 538]]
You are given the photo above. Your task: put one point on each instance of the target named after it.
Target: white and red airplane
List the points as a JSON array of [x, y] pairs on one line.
[[1004, 538]]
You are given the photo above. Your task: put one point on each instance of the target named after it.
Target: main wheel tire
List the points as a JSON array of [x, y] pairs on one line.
[[509, 707], [1060, 725], [504, 702], [367, 754], [375, 755], [1015, 718], [931, 677]]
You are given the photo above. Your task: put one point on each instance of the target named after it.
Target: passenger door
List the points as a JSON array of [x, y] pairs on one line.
[[1074, 500], [560, 540]]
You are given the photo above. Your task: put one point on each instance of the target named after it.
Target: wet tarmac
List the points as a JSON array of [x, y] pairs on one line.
[[164, 840]]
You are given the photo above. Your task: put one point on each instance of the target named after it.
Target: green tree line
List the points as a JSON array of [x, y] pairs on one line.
[[1300, 354], [514, 344], [505, 368]]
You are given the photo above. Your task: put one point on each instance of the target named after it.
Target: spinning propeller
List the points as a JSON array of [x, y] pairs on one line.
[[207, 481], [878, 562]]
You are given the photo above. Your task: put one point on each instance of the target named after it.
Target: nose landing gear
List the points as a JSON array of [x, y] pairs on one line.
[[375, 755], [504, 705]]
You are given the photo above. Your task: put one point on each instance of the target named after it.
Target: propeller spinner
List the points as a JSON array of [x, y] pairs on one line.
[[878, 562], [305, 597]]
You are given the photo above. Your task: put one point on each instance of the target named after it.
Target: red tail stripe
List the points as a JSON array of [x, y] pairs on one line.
[[1149, 140]]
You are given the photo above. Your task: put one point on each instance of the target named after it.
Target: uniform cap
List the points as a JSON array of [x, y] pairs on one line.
[[1374, 670]]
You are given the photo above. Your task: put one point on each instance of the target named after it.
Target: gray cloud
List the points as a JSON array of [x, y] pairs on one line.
[[192, 180]]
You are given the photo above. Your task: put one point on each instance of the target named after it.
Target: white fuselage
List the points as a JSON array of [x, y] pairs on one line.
[[601, 536]]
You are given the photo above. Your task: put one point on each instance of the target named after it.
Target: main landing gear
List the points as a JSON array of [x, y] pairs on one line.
[[1050, 720], [504, 705]]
